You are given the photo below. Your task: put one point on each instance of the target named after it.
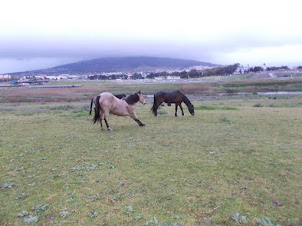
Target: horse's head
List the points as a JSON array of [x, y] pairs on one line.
[[191, 109], [141, 97]]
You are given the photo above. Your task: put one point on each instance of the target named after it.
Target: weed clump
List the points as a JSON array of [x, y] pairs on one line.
[[258, 105]]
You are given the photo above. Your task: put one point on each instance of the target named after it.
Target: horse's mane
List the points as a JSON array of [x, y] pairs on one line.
[[186, 100], [132, 99]]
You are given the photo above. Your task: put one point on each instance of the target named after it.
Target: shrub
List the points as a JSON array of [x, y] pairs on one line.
[[258, 105]]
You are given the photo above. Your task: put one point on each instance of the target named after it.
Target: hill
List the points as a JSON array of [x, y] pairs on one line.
[[118, 64]]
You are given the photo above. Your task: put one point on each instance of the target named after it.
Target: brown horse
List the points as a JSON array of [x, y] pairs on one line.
[[107, 102], [176, 97]]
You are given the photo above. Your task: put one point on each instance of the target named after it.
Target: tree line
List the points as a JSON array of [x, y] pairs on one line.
[[227, 70], [259, 69], [194, 73]]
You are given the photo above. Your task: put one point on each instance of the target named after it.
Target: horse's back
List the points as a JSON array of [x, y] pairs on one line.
[[106, 99], [160, 93], [106, 95], [111, 103], [171, 94], [160, 96], [169, 97]]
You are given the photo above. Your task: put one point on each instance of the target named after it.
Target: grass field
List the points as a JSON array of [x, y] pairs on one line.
[[202, 86], [237, 161]]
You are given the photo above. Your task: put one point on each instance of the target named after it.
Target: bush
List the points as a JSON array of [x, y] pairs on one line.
[[258, 105]]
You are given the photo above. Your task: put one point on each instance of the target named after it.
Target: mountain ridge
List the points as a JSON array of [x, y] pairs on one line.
[[119, 64]]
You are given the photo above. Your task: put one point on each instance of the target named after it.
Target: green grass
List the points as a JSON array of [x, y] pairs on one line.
[[204, 107], [229, 158]]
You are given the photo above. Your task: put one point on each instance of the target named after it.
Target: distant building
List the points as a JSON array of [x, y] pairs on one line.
[[173, 77], [5, 77], [169, 77], [199, 68]]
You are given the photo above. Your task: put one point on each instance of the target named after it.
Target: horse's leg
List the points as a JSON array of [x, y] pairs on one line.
[[106, 114], [134, 116], [108, 127], [157, 106], [182, 110], [101, 119], [139, 122], [176, 105]]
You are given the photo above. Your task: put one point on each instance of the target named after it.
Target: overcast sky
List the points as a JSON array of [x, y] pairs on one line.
[[36, 34]]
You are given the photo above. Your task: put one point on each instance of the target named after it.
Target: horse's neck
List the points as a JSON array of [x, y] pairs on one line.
[[186, 101], [132, 99]]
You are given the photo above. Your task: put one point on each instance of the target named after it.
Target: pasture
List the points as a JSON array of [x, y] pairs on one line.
[[237, 161]]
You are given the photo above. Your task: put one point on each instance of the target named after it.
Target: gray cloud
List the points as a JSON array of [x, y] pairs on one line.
[[221, 32]]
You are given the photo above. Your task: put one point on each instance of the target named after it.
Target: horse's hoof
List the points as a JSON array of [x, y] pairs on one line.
[[109, 129]]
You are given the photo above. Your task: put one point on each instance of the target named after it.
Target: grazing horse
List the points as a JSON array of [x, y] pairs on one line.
[[107, 102], [93, 100], [176, 97]]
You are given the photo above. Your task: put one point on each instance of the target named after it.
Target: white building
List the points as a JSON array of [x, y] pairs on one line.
[[173, 77], [5, 77]]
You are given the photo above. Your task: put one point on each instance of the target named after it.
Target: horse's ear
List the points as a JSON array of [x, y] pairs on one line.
[[139, 92]]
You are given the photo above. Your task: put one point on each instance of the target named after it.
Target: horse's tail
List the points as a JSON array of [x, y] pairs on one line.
[[154, 106], [91, 106], [97, 116]]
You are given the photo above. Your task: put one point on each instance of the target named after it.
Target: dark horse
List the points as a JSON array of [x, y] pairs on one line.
[[176, 97], [93, 100], [107, 102]]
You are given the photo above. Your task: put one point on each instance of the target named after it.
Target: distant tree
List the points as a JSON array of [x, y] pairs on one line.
[[163, 74], [221, 70], [258, 69], [137, 76], [175, 73], [194, 73], [102, 77], [255, 69], [151, 76], [184, 75], [113, 77], [299, 67], [231, 68], [124, 76], [284, 67], [93, 77], [277, 68], [15, 77], [271, 68]]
